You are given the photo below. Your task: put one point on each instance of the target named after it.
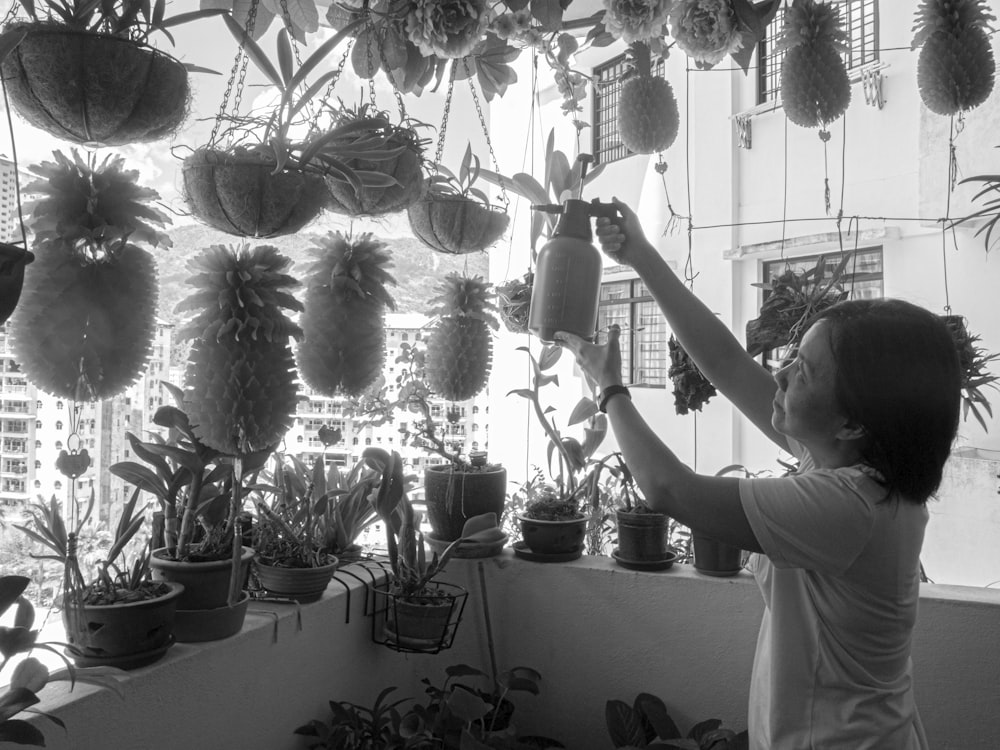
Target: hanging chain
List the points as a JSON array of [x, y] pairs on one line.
[[486, 131], [11, 13], [444, 118], [325, 99], [392, 81], [370, 32], [238, 75]]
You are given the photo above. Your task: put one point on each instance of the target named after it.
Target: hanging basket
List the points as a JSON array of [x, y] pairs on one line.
[[406, 168], [456, 225], [84, 330], [238, 193], [514, 298], [95, 89], [13, 259]]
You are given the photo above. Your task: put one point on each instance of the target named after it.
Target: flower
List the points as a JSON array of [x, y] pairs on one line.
[[447, 28], [635, 20], [707, 30]]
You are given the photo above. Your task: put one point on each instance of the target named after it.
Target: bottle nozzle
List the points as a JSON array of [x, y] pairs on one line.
[[549, 208]]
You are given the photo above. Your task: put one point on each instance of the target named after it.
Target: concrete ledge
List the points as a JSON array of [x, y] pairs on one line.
[[594, 630]]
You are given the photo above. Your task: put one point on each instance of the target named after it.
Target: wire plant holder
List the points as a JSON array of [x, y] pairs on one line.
[[425, 627]]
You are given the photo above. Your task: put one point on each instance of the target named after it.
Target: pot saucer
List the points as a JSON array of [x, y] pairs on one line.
[[127, 661], [522, 550], [717, 573], [663, 564], [468, 549]]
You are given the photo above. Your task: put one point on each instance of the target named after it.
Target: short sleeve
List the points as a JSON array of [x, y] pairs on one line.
[[819, 520]]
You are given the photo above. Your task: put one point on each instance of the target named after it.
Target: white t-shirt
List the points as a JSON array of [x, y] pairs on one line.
[[840, 579]]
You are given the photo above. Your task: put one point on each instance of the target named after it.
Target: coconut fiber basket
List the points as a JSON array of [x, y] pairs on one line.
[[92, 88]]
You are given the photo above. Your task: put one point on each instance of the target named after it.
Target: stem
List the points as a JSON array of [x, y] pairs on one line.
[[557, 441], [187, 520], [235, 579]]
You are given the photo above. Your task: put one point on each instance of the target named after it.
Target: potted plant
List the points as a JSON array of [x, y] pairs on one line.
[[398, 157], [84, 326], [647, 723], [464, 486], [692, 390], [420, 613], [270, 181], [290, 556], [118, 617], [193, 483], [456, 217], [85, 72], [713, 557], [514, 297], [973, 360], [791, 298], [643, 534], [553, 525], [13, 259]]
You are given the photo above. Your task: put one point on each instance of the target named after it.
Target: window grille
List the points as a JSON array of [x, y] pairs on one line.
[[863, 278], [643, 331], [859, 19], [607, 146]]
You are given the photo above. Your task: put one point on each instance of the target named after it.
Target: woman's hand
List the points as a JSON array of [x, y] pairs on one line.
[[601, 363], [622, 239]]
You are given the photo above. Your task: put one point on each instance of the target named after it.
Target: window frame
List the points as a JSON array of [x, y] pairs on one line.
[[632, 362], [863, 29]]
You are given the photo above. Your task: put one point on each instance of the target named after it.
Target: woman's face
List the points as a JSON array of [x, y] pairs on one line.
[[805, 407]]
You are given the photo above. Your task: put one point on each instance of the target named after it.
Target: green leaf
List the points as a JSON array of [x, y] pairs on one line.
[[11, 588], [254, 52], [548, 13], [523, 393], [624, 725], [549, 356], [285, 60], [585, 408], [20, 732]]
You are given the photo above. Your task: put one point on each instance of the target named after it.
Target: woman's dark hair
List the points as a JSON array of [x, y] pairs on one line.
[[898, 376]]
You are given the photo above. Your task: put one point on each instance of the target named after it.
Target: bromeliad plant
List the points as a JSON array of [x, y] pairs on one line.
[[647, 724]]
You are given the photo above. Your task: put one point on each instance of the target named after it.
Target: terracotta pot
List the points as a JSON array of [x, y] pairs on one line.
[[642, 537], [452, 497], [238, 193], [206, 584], [456, 225], [95, 89], [122, 635], [715, 558], [301, 584], [553, 537]]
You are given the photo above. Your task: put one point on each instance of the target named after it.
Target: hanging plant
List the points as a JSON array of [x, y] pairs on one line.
[[514, 297], [13, 259], [692, 390], [84, 327], [460, 347], [815, 89], [955, 68], [239, 385], [792, 298], [262, 184], [455, 216], [85, 73], [343, 323], [973, 360], [390, 154], [648, 119]]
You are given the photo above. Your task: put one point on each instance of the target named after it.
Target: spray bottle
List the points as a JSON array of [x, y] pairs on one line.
[[567, 285]]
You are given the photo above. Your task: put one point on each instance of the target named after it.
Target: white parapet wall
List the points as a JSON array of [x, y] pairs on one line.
[[594, 630]]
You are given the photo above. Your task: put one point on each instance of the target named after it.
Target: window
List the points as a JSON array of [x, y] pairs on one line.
[[863, 279], [859, 19], [58, 425], [607, 145], [644, 330]]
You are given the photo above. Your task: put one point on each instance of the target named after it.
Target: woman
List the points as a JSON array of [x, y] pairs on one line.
[[870, 407]]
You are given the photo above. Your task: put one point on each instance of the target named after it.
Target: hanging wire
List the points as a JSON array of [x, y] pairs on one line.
[[17, 170], [486, 131], [784, 195], [675, 220], [689, 274], [237, 78]]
